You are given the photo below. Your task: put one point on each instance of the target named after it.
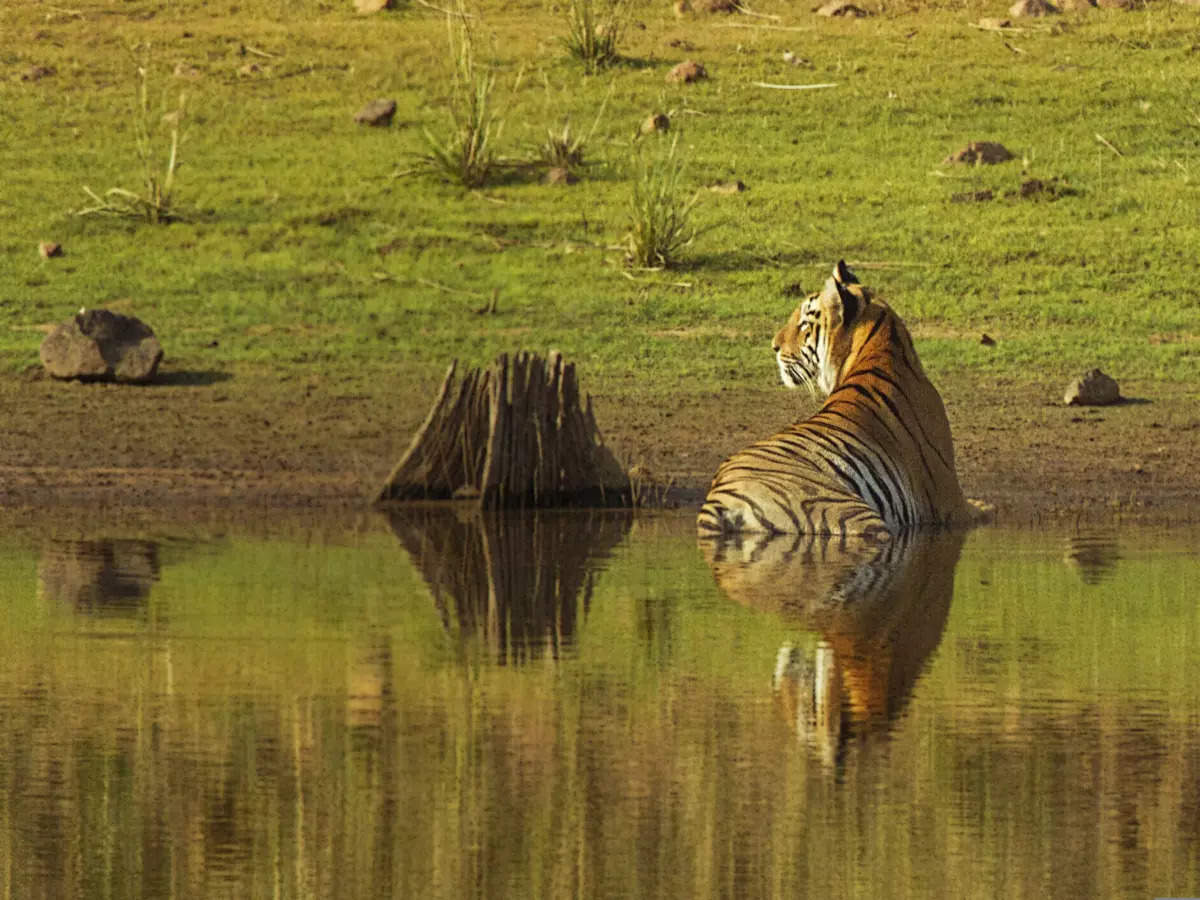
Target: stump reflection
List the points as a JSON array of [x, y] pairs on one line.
[[518, 582], [877, 611]]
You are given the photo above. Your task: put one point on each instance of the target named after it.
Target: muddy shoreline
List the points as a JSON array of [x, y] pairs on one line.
[[326, 443]]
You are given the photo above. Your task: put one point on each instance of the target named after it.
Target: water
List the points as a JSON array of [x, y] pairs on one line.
[[593, 705]]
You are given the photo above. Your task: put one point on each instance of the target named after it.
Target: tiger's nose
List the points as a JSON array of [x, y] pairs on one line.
[[776, 343]]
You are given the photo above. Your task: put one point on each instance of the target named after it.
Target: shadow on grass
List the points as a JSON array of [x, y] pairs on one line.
[[190, 378]]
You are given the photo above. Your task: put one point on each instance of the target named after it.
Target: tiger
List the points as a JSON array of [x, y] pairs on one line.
[[876, 459]]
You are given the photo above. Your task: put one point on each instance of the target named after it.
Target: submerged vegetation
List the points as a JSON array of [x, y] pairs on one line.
[[308, 249]]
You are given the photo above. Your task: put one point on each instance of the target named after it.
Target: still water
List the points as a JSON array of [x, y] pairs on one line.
[[442, 705]]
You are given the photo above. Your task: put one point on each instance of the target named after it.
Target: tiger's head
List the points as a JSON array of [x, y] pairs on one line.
[[812, 347]]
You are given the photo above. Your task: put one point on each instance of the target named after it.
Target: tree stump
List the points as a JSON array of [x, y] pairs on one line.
[[513, 435]]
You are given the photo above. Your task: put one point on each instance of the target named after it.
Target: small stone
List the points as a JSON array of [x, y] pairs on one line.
[[793, 60], [560, 175], [377, 113], [1093, 389], [49, 249], [727, 187], [842, 8], [980, 153], [655, 123], [987, 340], [682, 8], [99, 345], [1026, 9], [687, 72], [249, 69], [366, 7], [37, 73]]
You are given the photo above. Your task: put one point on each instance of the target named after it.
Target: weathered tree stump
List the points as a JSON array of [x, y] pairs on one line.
[[513, 435]]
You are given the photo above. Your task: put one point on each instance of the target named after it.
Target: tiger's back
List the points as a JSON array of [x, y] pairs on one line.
[[877, 457]]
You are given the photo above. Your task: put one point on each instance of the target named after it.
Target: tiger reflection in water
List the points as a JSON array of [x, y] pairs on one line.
[[877, 608]]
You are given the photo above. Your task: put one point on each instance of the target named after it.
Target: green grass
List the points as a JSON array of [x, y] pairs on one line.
[[301, 222]]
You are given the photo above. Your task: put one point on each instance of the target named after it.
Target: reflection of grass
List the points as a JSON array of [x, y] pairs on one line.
[[228, 713]]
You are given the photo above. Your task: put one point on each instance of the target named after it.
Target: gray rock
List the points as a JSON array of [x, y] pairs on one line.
[[687, 72], [1093, 389], [377, 113], [1031, 9], [985, 153], [655, 122], [842, 8], [99, 345]]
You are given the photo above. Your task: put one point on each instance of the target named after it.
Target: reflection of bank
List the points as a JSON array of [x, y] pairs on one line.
[[877, 610], [515, 581], [99, 577]]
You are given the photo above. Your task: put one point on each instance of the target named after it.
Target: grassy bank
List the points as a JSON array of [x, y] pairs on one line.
[[301, 243]]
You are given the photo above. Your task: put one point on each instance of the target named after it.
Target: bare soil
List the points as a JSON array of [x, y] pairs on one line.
[[322, 441]]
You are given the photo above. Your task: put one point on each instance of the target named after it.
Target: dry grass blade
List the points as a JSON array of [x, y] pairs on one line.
[[157, 203]]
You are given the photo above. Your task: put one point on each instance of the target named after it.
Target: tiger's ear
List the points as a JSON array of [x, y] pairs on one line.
[[844, 305], [842, 273]]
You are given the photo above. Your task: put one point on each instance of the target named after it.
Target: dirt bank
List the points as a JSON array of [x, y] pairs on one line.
[[325, 441]]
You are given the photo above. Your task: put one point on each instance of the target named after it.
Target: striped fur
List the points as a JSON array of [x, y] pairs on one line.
[[876, 458]]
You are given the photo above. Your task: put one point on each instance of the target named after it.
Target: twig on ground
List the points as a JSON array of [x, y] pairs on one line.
[[1014, 49], [254, 51], [686, 285], [747, 11], [1107, 143], [793, 87], [768, 27]]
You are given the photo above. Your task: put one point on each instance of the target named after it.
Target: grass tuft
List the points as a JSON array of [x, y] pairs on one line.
[[465, 156], [156, 137], [660, 212], [593, 34]]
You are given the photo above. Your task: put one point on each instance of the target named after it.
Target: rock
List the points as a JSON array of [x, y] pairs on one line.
[[366, 7], [682, 8], [727, 187], [842, 8], [980, 153], [793, 60], [377, 113], [188, 72], [48, 249], [687, 72], [37, 73], [560, 175], [1025, 9], [655, 123], [1093, 389], [99, 345]]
